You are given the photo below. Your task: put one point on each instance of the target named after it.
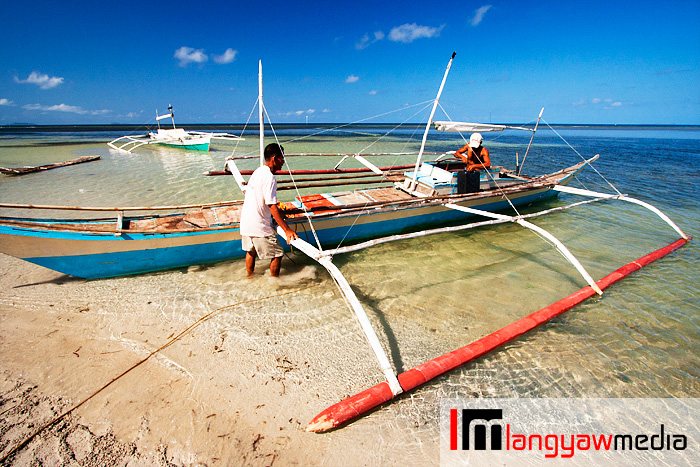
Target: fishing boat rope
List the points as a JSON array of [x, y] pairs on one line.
[[362, 160], [488, 173], [347, 232], [170, 341], [362, 151], [356, 122], [579, 154], [306, 212]]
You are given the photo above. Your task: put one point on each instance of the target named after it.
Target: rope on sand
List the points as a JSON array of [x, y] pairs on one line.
[[171, 341]]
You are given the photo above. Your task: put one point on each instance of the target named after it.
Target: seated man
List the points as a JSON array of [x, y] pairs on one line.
[[474, 155]]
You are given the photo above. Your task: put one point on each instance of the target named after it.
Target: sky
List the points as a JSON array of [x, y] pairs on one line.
[[587, 62]]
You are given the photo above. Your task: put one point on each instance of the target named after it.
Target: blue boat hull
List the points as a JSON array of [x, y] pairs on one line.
[[93, 255]]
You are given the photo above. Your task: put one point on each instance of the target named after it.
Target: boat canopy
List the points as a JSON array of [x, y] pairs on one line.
[[466, 127]]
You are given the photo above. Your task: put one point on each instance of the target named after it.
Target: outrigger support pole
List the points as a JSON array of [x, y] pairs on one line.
[[327, 262], [595, 194], [356, 405], [560, 246]]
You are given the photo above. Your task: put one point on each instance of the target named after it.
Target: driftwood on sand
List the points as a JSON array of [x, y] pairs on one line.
[[29, 169]]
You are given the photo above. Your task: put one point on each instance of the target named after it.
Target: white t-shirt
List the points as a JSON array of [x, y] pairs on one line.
[[261, 192]]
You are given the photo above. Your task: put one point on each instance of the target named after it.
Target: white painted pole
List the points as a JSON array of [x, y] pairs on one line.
[[559, 245], [261, 114], [430, 120], [326, 262], [595, 194], [520, 167]]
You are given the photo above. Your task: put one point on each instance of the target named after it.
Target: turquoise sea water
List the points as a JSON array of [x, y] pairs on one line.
[[431, 295]]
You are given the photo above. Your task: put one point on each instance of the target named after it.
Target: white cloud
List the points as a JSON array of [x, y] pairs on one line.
[[227, 57], [373, 93], [64, 108], [7, 102], [188, 55], [366, 41], [41, 80], [407, 33], [479, 15], [352, 79], [298, 113], [599, 102]]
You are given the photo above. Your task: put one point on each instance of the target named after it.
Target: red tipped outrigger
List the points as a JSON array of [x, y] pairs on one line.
[[359, 404]]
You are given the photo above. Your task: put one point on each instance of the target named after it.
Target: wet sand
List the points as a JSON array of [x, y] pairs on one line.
[[237, 388]]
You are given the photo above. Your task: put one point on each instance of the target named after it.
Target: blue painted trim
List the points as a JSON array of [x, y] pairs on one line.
[[138, 261]]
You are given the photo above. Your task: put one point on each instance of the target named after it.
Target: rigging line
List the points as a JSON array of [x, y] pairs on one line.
[[296, 188], [579, 154], [488, 174], [392, 129], [355, 122], [347, 231], [137, 364], [250, 115], [237, 141]]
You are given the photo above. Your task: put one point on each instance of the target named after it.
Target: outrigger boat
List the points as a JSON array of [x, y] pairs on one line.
[[429, 199], [175, 137]]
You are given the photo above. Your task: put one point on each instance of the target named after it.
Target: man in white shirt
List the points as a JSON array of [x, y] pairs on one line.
[[259, 208]]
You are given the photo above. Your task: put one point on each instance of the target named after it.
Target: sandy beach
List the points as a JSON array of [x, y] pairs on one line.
[[237, 388]]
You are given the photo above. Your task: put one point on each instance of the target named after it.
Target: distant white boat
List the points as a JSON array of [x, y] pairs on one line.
[[176, 137]]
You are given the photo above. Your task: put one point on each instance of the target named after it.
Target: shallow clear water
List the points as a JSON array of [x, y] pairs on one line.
[[430, 295]]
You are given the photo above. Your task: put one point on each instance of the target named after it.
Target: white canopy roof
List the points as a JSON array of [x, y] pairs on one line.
[[465, 127]]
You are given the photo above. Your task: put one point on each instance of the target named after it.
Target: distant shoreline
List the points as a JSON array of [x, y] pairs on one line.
[[29, 128]]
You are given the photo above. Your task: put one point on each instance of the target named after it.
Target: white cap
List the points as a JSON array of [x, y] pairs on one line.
[[475, 140]]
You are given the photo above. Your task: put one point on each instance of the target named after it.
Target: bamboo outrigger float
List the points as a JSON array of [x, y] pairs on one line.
[[403, 206]]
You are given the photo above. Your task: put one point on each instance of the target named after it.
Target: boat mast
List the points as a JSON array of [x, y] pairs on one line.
[[172, 117], [260, 114], [427, 126], [520, 167]]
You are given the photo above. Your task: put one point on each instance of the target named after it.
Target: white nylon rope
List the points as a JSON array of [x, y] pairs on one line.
[[355, 122], [487, 172], [391, 130], [347, 232], [306, 213], [583, 158]]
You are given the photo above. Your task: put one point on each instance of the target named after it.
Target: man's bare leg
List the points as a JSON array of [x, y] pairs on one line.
[[250, 263], [275, 266]]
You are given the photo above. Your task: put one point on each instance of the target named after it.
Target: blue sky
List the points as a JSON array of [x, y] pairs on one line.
[[624, 62]]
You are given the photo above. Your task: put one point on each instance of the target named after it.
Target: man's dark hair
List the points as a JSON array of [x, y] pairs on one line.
[[272, 150]]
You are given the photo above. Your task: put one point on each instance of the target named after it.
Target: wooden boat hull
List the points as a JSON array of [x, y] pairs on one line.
[[92, 255]]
